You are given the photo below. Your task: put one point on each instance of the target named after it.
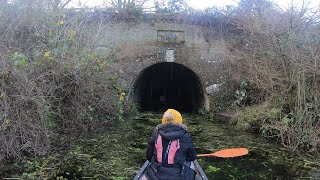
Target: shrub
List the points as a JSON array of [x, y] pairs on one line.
[[50, 78]]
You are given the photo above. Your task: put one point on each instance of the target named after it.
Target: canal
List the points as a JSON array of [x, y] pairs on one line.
[[116, 152], [266, 159]]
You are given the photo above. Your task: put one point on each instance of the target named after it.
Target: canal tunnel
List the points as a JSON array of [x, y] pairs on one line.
[[168, 85]]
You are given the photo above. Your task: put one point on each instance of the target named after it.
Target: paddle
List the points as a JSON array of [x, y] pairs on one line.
[[227, 153]]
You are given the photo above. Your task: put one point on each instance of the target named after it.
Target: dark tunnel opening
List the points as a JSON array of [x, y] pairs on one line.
[[168, 85]]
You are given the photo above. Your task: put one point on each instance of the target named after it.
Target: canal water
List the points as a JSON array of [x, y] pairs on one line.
[[117, 152], [266, 159]]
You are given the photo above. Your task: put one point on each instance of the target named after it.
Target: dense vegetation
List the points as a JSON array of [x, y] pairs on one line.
[[273, 55], [52, 80]]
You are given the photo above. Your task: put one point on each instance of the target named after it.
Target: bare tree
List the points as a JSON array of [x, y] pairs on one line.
[[122, 5], [47, 4], [171, 5]]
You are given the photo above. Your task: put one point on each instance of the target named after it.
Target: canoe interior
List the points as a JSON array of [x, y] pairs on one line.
[[200, 173]]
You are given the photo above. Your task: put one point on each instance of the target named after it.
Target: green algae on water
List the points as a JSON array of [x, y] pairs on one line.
[[118, 152]]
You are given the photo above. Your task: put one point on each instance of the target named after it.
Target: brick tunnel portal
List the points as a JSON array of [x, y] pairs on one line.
[[168, 85]]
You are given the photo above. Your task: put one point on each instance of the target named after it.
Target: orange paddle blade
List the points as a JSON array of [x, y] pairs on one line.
[[227, 153]]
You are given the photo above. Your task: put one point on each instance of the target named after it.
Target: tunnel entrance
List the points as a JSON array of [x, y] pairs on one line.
[[168, 85]]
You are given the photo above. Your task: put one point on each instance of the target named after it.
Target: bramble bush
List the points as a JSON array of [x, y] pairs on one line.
[[277, 51], [51, 79]]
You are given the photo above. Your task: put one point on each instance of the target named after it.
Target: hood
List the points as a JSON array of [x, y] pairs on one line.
[[171, 131]]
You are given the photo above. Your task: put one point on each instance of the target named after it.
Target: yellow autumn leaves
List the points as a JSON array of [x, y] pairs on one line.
[[47, 55], [122, 96], [60, 23]]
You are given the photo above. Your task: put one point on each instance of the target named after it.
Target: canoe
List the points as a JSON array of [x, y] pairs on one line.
[[200, 173]]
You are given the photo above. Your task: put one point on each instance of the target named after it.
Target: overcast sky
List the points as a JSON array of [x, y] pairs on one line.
[[202, 4]]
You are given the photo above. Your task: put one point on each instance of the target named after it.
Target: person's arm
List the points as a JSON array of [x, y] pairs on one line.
[[192, 155], [150, 147]]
